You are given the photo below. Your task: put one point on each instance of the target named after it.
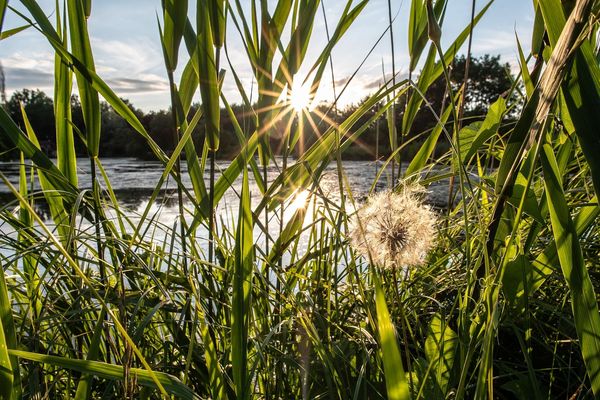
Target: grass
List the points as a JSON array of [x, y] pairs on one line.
[[97, 304]]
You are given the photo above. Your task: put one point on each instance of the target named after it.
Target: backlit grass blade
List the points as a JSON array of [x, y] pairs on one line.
[[216, 9], [241, 310], [3, 6], [82, 50], [209, 88], [344, 24], [395, 378], [432, 70], [63, 81], [440, 349], [10, 380], [417, 28], [583, 297], [113, 372], [11, 32], [98, 84], [6, 370], [582, 88], [32, 152], [175, 16], [53, 197], [427, 148]]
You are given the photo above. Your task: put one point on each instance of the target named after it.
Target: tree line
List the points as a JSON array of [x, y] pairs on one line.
[[488, 79]]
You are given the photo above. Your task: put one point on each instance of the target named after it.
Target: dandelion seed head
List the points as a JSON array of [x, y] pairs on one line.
[[394, 229]]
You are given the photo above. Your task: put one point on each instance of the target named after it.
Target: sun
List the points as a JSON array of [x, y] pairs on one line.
[[299, 97]]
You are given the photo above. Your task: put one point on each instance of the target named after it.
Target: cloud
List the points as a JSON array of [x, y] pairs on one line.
[[376, 83], [19, 78], [132, 85]]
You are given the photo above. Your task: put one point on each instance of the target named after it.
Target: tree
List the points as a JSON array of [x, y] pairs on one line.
[[40, 113]]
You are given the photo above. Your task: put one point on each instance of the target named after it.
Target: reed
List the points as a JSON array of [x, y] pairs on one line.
[[277, 300]]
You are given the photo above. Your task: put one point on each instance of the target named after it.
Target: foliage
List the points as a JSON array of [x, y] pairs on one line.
[[98, 301]]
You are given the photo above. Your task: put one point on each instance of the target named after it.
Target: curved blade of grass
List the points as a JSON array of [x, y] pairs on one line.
[[583, 297], [104, 370], [51, 194], [32, 152], [426, 150], [70, 261]]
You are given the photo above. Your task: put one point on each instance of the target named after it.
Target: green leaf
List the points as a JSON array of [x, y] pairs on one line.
[[11, 32], [432, 71], [242, 289], [175, 16], [172, 385], [84, 388], [82, 50], [9, 364], [477, 134], [65, 143], [583, 297], [395, 378], [426, 150], [440, 349], [209, 87]]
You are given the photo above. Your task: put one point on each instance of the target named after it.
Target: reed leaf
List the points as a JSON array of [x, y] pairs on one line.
[[63, 82], [113, 372], [209, 87], [395, 378], [175, 16], [242, 291], [583, 297], [82, 50]]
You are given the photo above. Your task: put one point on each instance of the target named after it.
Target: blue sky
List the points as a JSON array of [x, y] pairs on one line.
[[127, 52]]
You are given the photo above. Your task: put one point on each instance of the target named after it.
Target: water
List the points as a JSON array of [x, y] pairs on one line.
[[134, 180]]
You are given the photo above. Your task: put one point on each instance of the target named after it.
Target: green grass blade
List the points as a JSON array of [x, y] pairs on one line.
[[6, 370], [32, 152], [217, 21], [583, 297], [432, 71], [440, 348], [3, 6], [427, 148], [90, 102], [65, 143], [175, 16], [209, 87], [84, 387], [242, 289], [10, 380], [113, 372], [395, 378]]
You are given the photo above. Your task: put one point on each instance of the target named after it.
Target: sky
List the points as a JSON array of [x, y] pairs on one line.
[[125, 42]]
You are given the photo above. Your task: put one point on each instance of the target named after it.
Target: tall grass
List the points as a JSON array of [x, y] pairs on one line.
[[97, 303]]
